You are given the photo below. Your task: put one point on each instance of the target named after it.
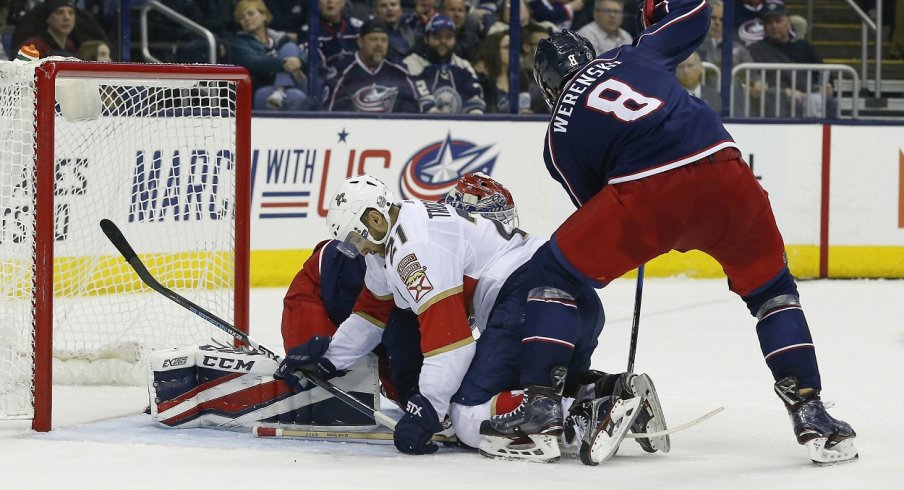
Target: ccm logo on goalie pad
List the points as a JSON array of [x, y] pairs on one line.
[[176, 361], [227, 363]]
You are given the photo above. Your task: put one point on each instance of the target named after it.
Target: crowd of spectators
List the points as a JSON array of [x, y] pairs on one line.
[[447, 56]]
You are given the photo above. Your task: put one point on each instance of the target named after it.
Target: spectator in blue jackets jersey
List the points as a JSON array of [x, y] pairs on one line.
[[368, 82], [445, 82]]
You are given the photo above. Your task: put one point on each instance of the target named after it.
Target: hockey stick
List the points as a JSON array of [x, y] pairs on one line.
[[677, 428], [119, 241], [261, 431], [635, 322]]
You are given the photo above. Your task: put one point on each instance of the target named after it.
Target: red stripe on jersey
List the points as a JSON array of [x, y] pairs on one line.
[[788, 348], [444, 323], [548, 340], [561, 301], [374, 307]]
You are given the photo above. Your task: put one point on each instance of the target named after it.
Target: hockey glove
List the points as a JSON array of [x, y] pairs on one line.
[[412, 433], [306, 357]]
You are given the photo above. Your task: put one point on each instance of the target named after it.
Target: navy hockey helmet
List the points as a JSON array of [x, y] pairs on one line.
[[558, 58]]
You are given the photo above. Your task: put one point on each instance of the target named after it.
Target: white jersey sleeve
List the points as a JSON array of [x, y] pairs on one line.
[[362, 331]]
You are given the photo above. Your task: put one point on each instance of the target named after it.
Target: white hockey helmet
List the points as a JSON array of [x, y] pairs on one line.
[[355, 196]]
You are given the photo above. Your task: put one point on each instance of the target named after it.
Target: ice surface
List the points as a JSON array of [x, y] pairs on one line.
[[697, 341]]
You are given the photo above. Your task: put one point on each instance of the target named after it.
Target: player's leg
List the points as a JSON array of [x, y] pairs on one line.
[[484, 392], [620, 228], [753, 257], [402, 344], [522, 347]]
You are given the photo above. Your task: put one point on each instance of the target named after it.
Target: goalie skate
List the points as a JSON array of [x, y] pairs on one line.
[[650, 419], [606, 422]]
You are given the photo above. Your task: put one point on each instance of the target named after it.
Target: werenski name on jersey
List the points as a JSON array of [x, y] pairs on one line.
[[579, 85]]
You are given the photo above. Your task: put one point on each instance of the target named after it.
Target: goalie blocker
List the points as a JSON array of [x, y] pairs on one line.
[[223, 387]]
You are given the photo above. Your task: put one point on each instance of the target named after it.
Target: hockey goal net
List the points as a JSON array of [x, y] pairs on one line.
[[162, 150]]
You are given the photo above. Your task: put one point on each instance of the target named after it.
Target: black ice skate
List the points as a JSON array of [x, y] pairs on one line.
[[531, 431], [830, 441], [600, 425], [650, 417]]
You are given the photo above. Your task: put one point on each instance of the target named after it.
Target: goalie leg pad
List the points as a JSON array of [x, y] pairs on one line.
[[223, 387]]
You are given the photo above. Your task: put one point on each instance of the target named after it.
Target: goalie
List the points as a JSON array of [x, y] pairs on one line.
[[220, 386]]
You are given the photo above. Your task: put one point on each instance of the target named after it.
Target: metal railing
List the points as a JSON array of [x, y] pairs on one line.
[[712, 70], [789, 100], [179, 19], [865, 24]]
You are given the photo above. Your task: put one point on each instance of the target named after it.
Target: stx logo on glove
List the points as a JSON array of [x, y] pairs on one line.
[[413, 409]]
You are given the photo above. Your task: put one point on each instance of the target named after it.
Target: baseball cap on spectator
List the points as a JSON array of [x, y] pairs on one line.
[[439, 22], [373, 25], [52, 5], [773, 8]]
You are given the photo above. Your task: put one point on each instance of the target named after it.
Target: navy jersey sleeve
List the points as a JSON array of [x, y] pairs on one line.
[[678, 27]]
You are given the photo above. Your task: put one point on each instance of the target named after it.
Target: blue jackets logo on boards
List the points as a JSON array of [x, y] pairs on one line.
[[435, 169]]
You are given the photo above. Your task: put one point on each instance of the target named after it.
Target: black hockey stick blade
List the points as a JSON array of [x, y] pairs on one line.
[[116, 238]]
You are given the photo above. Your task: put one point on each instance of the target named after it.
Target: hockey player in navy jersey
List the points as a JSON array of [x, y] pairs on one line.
[[651, 169]]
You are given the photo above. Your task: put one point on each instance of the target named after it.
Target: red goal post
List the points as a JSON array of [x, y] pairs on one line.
[[163, 150]]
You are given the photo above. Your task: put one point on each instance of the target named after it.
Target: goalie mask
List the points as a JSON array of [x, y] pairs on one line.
[[478, 193], [344, 218], [557, 59]]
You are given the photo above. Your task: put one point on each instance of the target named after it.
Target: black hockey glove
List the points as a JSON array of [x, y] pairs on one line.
[[306, 357], [412, 433]]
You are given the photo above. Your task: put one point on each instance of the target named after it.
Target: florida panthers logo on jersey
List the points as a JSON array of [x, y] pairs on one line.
[[414, 275], [375, 98], [435, 169]]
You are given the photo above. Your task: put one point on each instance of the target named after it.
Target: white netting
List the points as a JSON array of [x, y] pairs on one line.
[[159, 162]]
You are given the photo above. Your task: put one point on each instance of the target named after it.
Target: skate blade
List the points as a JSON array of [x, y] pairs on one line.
[[603, 445], [643, 386], [841, 453], [541, 448]]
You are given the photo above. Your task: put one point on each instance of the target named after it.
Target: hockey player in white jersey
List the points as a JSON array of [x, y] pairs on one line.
[[442, 263]]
